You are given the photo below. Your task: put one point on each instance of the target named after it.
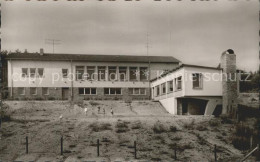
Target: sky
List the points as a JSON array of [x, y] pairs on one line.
[[193, 32]]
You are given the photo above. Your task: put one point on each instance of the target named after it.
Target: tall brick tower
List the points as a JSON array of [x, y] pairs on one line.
[[229, 83]]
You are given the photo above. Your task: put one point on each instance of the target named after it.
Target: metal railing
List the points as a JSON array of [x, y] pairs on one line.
[[250, 153]]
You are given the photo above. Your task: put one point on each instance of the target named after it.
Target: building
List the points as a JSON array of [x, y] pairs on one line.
[[199, 90], [77, 77]]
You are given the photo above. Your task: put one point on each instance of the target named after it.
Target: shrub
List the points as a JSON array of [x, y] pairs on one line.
[[159, 128], [122, 126], [241, 143], [201, 140], [189, 125], [214, 123], [100, 127], [201, 128], [173, 128], [51, 98], [93, 103], [137, 125], [226, 119], [38, 98]]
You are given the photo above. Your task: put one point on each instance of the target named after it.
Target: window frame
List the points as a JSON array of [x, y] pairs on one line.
[[48, 92], [163, 88], [200, 81], [168, 86], [25, 75], [135, 73], [93, 70], [34, 74], [35, 91], [19, 88], [67, 72], [177, 81], [124, 69], [143, 73], [38, 74], [90, 90], [109, 90], [101, 68], [132, 91], [114, 68], [80, 68]]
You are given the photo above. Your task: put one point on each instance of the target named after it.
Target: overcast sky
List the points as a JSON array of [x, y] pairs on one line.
[[193, 32]]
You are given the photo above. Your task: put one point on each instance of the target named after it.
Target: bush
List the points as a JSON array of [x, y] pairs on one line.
[[137, 125], [100, 127], [214, 123], [241, 143], [122, 126], [93, 103], [226, 119], [159, 128], [51, 98], [189, 125], [173, 128], [38, 98], [201, 128]]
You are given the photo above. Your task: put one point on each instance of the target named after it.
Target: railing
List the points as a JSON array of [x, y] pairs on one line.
[[250, 153]]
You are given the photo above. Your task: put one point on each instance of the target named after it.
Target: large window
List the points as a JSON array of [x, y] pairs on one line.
[[33, 91], [112, 72], [40, 72], [112, 91], [87, 91], [137, 91], [197, 80], [24, 72], [178, 83], [163, 88], [91, 72], [79, 72], [170, 86], [21, 91], [64, 73], [133, 73], [101, 73], [144, 73], [45, 91], [122, 73], [32, 72]]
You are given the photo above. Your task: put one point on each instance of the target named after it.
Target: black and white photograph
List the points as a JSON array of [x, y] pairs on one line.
[[129, 80]]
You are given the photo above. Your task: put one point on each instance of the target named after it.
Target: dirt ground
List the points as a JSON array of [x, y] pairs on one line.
[[156, 132]]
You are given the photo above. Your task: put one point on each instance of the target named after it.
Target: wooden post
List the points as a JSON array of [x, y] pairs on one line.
[[135, 149], [26, 144], [175, 154], [251, 142], [215, 152], [98, 147], [61, 145]]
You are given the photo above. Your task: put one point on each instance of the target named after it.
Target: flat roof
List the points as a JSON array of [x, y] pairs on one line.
[[185, 65], [92, 58]]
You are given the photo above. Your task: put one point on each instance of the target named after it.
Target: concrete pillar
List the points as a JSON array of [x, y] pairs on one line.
[[229, 82]]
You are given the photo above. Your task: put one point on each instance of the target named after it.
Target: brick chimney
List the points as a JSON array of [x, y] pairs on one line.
[[41, 51], [229, 83]]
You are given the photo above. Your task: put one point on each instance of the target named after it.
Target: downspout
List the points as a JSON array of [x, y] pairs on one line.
[[11, 77], [72, 79]]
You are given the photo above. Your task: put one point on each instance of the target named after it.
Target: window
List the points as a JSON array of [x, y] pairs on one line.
[[137, 91], [45, 91], [112, 91], [33, 91], [197, 80], [81, 91], [170, 86], [21, 91], [79, 72], [101, 73], [122, 73], [24, 72], [163, 88], [112, 72], [40, 72], [178, 82], [157, 90], [87, 91], [133, 73], [91, 72], [144, 73], [32, 72], [64, 73]]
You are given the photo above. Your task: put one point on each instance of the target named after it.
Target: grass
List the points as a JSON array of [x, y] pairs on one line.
[[137, 125], [173, 128], [159, 128], [189, 125], [122, 126], [214, 123], [97, 127]]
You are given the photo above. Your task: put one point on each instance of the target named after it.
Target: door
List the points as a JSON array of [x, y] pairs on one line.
[[65, 93]]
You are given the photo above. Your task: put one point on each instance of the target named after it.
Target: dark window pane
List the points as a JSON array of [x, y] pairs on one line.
[[118, 90], [93, 91], [136, 91], [87, 90], [142, 91], [32, 72], [133, 73], [101, 72], [79, 72], [112, 72], [33, 91], [112, 91], [65, 73], [21, 91], [45, 91], [90, 72], [122, 73], [24, 72], [143, 73], [131, 91], [81, 91], [196, 80], [106, 91]]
